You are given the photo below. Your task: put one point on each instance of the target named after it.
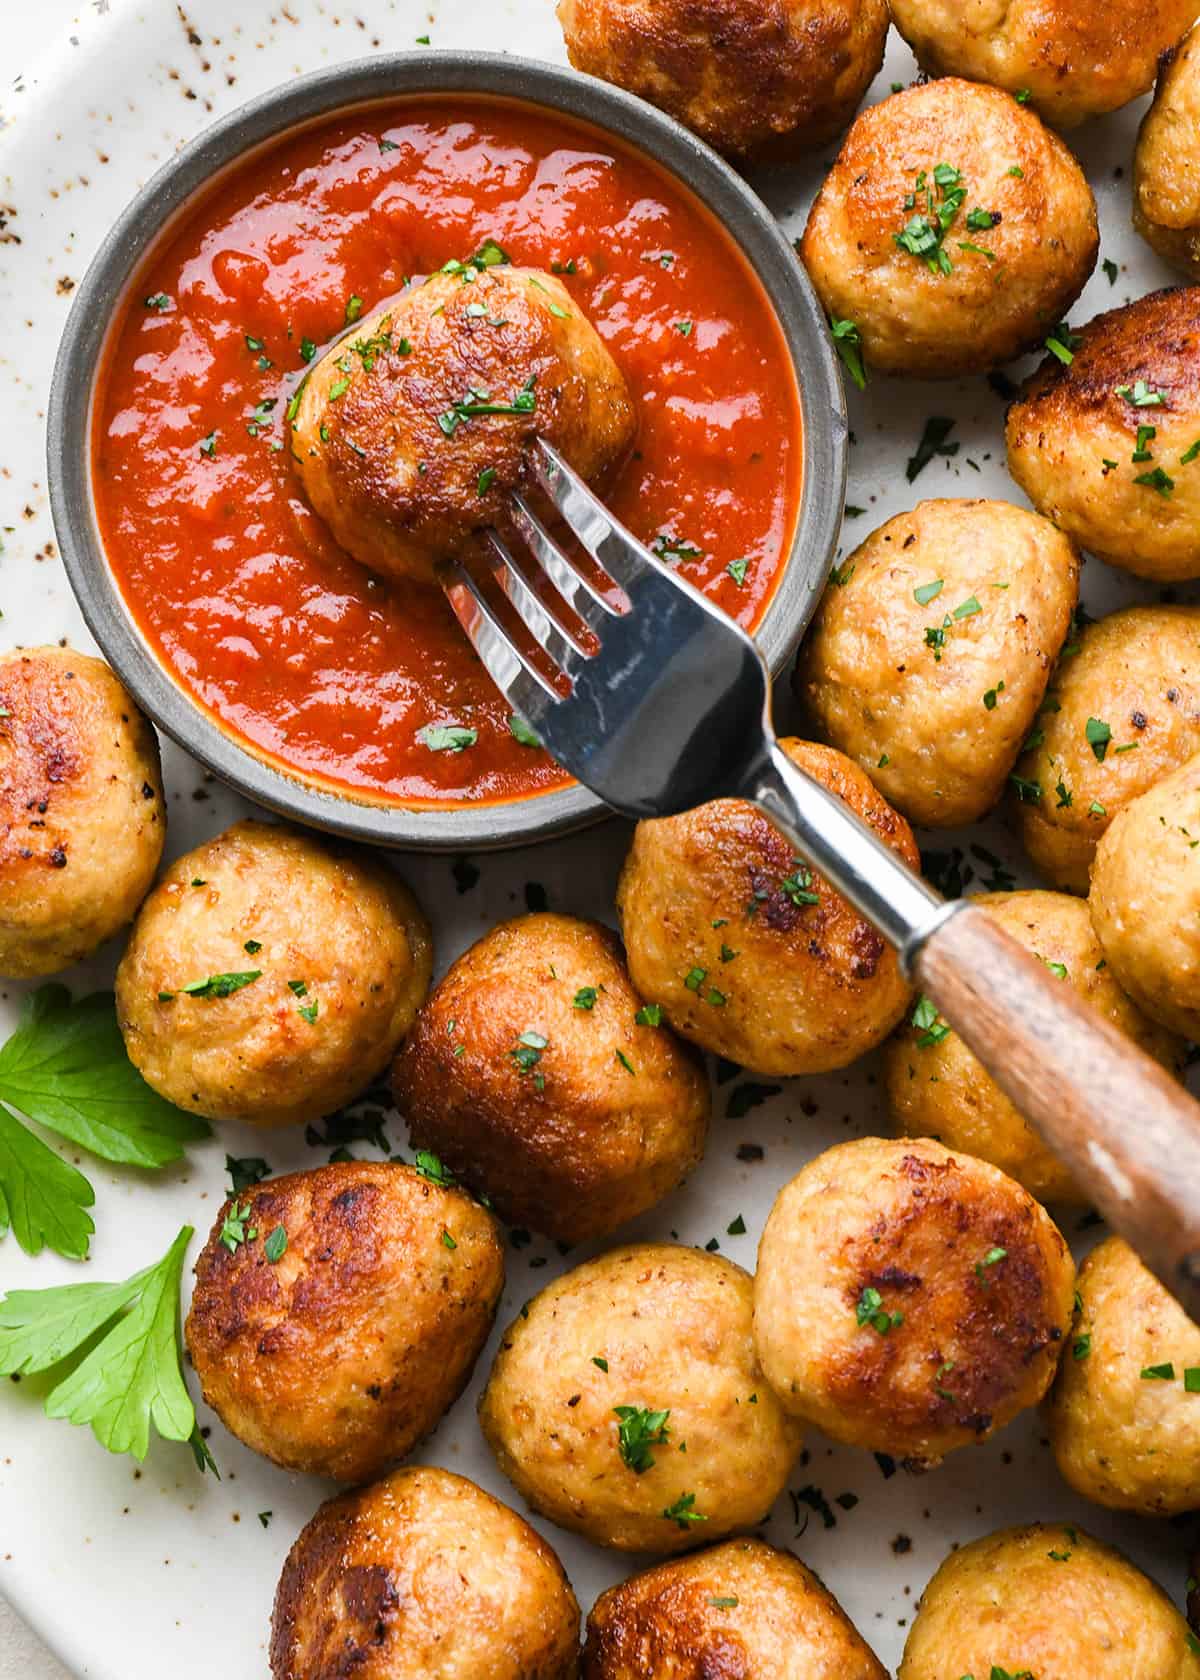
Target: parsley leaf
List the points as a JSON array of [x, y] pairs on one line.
[[130, 1376], [65, 1067], [637, 1431], [42, 1197], [449, 737], [1098, 736], [933, 442], [521, 732], [684, 1511], [847, 341]]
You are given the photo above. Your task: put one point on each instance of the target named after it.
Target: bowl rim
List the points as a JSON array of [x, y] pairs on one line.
[[268, 116]]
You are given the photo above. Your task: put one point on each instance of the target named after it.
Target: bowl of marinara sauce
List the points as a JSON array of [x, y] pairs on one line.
[[222, 600]]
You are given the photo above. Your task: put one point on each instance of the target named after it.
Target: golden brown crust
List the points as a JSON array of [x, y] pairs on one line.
[[339, 1356], [938, 728], [1043, 245], [82, 816], [343, 956], [370, 437], [1120, 1438], [595, 1127], [1166, 164], [938, 1089], [1073, 438], [762, 80], [809, 986], [654, 1326], [1138, 671], [1050, 1601], [1145, 900], [422, 1577], [741, 1611], [981, 1276], [1071, 58]]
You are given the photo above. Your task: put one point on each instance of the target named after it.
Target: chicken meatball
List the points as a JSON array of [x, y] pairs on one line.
[[1070, 59], [1122, 711], [412, 430], [626, 1402], [1105, 446], [1123, 1416], [909, 1300], [1046, 1601], [746, 951], [761, 80], [928, 661], [338, 1313], [954, 230], [1145, 900], [743, 1609], [1166, 164], [270, 976], [423, 1577], [936, 1088], [534, 1074], [82, 807]]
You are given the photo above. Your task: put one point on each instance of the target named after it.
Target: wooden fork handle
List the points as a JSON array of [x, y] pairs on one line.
[[1128, 1131]]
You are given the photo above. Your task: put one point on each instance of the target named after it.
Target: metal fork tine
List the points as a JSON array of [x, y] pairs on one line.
[[544, 623], [517, 678], [607, 541], [562, 571]]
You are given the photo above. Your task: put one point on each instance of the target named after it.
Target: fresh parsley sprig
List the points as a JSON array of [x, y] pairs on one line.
[[65, 1067], [123, 1344]]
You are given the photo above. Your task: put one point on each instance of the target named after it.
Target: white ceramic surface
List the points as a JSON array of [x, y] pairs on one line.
[[132, 1573]]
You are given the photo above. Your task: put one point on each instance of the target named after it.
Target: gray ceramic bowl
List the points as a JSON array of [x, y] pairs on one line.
[[381, 78]]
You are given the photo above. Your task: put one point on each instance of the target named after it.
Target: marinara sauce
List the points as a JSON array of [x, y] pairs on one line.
[[293, 647]]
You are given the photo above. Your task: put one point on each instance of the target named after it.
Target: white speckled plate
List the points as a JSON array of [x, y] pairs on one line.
[[131, 1572]]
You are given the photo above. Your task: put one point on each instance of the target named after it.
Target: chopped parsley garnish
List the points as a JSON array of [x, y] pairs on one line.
[[798, 885], [338, 389], [1063, 343], [527, 1051], [447, 737], [967, 608], [684, 1512], [1081, 1347], [993, 1257], [600, 1362], [431, 1168], [447, 1240], [684, 328], [870, 1310], [923, 236], [1145, 437], [221, 985], [841, 575], [1098, 736], [234, 1227], [626, 1063], [930, 1029], [724, 1603], [927, 592], [485, 481], [1027, 792], [208, 446], [250, 1169], [736, 569], [1190, 454], [1159, 1373], [1111, 270], [1141, 395], [933, 442], [695, 978], [307, 349], [157, 300], [585, 997], [992, 695], [637, 1431], [847, 341], [668, 547], [1065, 797], [477, 403], [521, 732], [275, 1246], [1157, 480], [649, 1015], [354, 308]]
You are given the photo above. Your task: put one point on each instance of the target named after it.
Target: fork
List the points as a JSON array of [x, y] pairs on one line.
[[663, 703]]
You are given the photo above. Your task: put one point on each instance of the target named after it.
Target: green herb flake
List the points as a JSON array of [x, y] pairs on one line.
[[448, 737], [234, 1227], [870, 1310], [649, 1015], [1098, 735], [275, 1246], [626, 1063], [585, 997], [221, 985], [639, 1429], [847, 341], [737, 569], [927, 592], [1111, 270], [1141, 395], [934, 441], [684, 1511], [1159, 1373], [1157, 480]]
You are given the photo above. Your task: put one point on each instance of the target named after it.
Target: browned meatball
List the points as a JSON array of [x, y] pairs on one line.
[[1103, 447], [1166, 165], [763, 80], [1071, 59], [1137, 674], [413, 429], [747, 952], [954, 230], [337, 1313], [82, 819], [423, 1577], [741, 1610], [909, 1300], [529, 1074]]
